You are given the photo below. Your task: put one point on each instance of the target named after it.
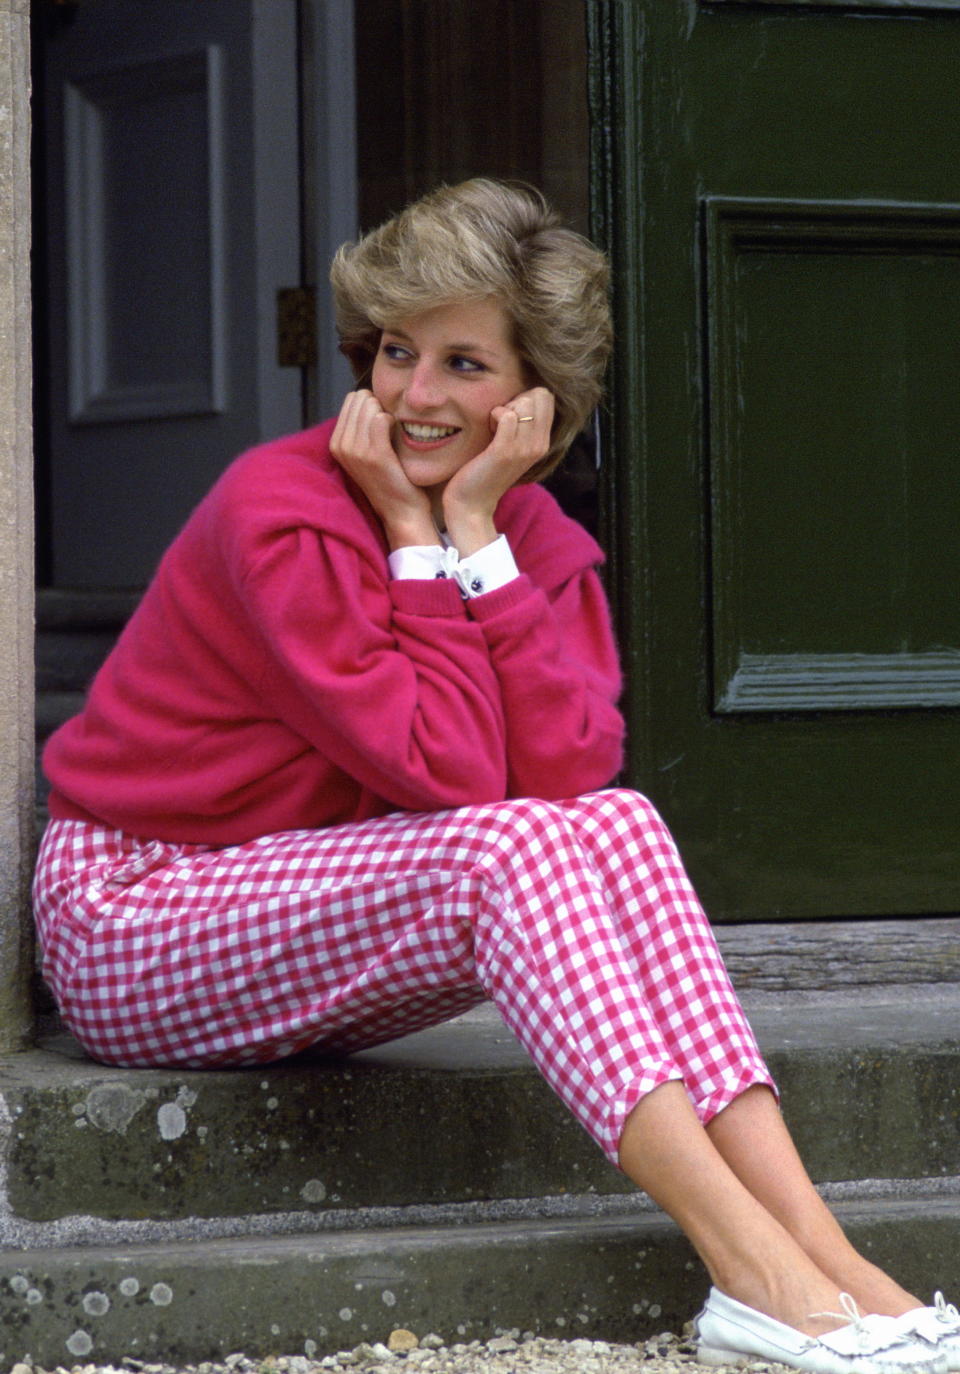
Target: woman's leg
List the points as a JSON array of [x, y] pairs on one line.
[[354, 935], [346, 937], [767, 1240], [749, 1255], [670, 947], [752, 1139], [165, 953], [177, 954], [745, 1159], [161, 953]]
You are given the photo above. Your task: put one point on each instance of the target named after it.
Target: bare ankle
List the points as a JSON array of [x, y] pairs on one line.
[[872, 1290], [800, 1297]]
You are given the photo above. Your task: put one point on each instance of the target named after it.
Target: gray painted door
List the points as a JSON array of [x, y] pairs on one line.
[[173, 197]]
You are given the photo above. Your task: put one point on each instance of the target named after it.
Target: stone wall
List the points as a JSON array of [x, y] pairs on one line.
[[16, 529]]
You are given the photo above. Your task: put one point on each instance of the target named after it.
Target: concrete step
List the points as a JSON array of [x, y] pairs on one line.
[[870, 1077], [75, 632], [189, 1213], [52, 709], [620, 1277], [870, 1083]]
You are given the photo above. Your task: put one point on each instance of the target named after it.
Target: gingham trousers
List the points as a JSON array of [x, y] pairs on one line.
[[576, 918]]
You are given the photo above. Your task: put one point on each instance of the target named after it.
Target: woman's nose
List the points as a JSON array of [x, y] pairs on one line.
[[423, 391]]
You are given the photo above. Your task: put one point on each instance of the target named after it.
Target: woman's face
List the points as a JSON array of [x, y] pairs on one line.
[[439, 374]]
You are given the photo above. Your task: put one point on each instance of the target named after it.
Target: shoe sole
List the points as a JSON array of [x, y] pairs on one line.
[[715, 1355]]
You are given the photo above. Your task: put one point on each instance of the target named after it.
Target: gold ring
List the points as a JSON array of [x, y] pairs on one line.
[[522, 419]]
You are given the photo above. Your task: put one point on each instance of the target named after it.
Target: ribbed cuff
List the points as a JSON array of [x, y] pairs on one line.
[[440, 596]]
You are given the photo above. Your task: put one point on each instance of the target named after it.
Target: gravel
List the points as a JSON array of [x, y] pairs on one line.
[[402, 1352]]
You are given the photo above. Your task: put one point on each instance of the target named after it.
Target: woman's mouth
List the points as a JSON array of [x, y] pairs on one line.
[[427, 434]]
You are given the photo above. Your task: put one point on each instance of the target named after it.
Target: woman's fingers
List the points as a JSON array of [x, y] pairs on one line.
[[521, 437], [362, 430], [360, 443], [361, 440], [523, 426]]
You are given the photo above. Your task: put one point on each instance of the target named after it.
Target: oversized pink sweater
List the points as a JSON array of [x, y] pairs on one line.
[[275, 677]]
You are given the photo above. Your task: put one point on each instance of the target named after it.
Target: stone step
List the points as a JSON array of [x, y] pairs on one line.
[[870, 1080], [620, 1277], [75, 632], [52, 709], [436, 1183]]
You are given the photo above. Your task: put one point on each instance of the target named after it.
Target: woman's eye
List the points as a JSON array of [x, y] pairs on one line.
[[395, 352], [462, 364]]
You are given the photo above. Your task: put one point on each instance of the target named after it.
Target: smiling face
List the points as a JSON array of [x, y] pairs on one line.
[[439, 374]]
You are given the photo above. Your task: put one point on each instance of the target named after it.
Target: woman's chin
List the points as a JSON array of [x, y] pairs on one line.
[[424, 473]]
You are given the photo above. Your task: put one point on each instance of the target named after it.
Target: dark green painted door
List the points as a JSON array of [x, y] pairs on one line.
[[779, 184]]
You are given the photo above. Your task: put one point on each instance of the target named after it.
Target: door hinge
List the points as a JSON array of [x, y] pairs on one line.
[[297, 326]]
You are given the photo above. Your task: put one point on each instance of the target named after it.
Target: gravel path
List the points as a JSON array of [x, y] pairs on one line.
[[403, 1353]]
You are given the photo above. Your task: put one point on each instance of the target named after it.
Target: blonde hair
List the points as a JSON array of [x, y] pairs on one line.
[[482, 239]]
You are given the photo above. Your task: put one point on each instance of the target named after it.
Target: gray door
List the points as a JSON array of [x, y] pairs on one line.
[[173, 203]]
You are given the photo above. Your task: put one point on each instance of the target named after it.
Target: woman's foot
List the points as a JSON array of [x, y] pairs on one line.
[[871, 1289], [790, 1289], [938, 1325], [729, 1332]]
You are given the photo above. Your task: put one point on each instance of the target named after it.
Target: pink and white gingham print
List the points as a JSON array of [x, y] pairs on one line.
[[576, 918]]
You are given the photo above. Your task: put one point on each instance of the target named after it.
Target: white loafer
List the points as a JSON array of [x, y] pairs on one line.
[[729, 1332], [939, 1326]]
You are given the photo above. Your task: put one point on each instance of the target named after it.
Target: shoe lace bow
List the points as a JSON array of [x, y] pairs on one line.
[[946, 1312], [865, 1328]]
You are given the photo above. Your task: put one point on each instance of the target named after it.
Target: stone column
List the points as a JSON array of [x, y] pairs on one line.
[[16, 530]]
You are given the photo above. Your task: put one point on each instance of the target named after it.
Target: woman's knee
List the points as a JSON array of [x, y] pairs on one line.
[[526, 820], [622, 807], [531, 821]]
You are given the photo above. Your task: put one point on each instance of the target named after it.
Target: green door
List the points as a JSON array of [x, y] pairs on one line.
[[779, 185]]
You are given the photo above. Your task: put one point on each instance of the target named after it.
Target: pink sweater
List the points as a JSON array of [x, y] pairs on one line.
[[275, 677]]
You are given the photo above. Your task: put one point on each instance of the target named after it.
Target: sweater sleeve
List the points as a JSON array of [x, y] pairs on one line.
[[391, 681], [556, 664]]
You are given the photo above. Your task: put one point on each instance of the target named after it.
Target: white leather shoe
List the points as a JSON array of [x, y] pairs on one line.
[[728, 1332], [938, 1325]]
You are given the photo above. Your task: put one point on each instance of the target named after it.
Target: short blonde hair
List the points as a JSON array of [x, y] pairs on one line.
[[482, 239]]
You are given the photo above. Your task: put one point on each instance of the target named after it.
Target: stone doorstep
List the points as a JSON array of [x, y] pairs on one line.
[[822, 956], [619, 1278], [870, 1081]]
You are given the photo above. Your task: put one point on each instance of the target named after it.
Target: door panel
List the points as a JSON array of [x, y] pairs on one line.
[[173, 212], [779, 192], [146, 324], [834, 572]]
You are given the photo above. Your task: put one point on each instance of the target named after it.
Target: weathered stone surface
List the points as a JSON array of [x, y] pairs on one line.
[[305, 1137], [870, 1084], [90, 1154], [16, 529], [792, 956], [621, 1279]]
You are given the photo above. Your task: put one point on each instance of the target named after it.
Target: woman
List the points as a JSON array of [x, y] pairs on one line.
[[337, 780]]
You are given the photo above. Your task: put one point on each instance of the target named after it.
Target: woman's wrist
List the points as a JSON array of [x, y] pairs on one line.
[[470, 533], [405, 534]]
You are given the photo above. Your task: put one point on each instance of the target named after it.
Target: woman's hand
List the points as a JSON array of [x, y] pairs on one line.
[[521, 437], [361, 445]]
